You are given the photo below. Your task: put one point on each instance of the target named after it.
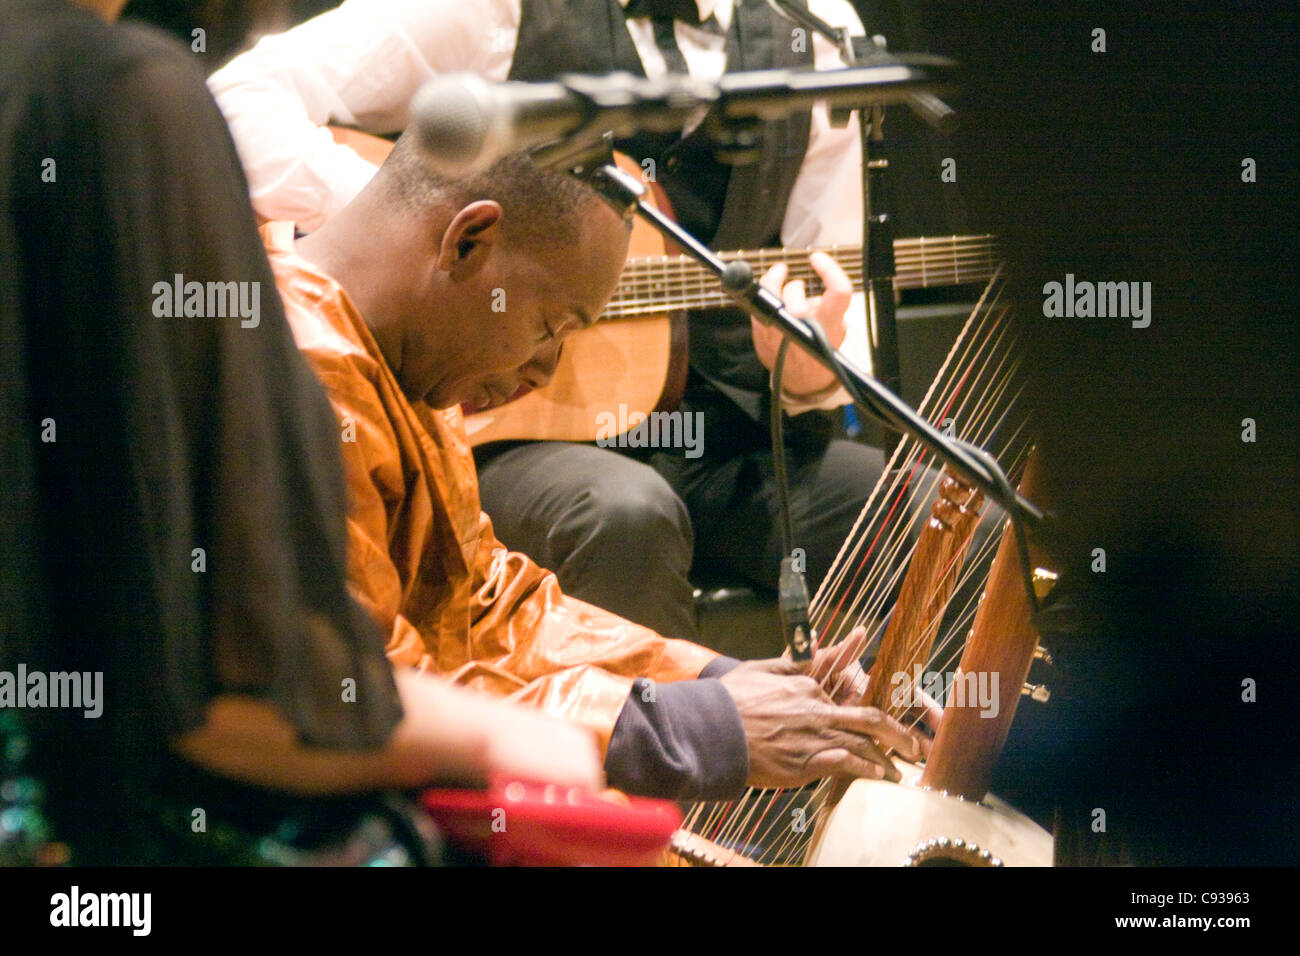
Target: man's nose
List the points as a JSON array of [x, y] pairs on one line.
[[539, 371]]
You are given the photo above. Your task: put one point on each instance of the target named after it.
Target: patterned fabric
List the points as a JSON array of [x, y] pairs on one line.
[[388, 830], [25, 838]]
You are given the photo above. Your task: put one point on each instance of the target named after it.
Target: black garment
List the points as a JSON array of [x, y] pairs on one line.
[[132, 440], [688, 11], [735, 509], [576, 509]]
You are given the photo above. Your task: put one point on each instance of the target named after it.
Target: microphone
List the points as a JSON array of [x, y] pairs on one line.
[[466, 124]]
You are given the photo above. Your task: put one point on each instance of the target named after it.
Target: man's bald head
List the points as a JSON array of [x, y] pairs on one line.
[[470, 285], [539, 207]]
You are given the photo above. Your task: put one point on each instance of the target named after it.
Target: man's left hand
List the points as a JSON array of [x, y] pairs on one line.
[[803, 375]]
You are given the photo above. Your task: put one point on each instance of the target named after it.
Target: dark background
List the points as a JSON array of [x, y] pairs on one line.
[[1126, 165]]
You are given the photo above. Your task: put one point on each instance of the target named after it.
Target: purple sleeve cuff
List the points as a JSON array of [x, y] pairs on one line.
[[681, 740], [718, 666]]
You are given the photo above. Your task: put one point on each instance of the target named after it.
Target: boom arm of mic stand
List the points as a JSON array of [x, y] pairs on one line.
[[624, 192]]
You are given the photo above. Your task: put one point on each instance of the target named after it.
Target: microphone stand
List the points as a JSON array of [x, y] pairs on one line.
[[741, 99], [975, 466], [878, 267]]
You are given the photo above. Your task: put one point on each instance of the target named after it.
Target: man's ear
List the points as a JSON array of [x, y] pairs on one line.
[[469, 238]]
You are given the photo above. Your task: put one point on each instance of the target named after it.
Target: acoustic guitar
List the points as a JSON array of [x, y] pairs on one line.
[[636, 355]]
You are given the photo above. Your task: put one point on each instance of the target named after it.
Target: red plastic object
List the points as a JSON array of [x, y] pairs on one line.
[[515, 823]]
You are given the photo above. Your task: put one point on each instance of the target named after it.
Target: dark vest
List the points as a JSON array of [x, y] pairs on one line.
[[740, 207]]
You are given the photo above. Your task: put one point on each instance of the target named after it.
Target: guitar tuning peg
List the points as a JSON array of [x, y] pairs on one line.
[[1042, 654], [1044, 581], [1038, 692]]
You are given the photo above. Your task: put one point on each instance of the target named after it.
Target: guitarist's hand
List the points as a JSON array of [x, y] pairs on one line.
[[796, 734], [802, 375]]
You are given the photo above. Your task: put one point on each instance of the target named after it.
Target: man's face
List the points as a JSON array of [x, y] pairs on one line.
[[512, 316]]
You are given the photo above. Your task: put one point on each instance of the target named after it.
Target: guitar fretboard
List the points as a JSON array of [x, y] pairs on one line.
[[666, 283]]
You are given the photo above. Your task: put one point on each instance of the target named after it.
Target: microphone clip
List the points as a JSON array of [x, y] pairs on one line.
[[792, 602]]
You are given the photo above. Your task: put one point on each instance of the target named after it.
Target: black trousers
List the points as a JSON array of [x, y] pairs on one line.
[[627, 531]]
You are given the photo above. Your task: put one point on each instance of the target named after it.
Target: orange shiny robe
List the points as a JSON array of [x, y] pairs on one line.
[[422, 558]]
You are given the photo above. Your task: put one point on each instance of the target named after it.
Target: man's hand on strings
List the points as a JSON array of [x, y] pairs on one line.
[[798, 734], [926, 713], [839, 670], [803, 375]]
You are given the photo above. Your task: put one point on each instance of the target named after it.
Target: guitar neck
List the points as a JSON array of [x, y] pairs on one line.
[[663, 284]]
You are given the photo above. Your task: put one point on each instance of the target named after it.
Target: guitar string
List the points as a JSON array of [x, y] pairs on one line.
[[926, 248], [657, 275], [915, 250], [926, 626], [937, 381], [682, 267], [665, 287], [655, 301], [973, 567], [918, 252]]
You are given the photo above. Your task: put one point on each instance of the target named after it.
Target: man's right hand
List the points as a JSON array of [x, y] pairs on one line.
[[797, 734]]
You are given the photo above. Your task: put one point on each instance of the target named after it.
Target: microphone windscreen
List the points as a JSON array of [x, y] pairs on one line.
[[453, 119]]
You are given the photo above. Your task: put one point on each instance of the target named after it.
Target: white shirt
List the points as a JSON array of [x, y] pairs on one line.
[[360, 64]]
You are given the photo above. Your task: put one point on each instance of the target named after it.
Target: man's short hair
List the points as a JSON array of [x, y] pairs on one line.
[[541, 207]]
